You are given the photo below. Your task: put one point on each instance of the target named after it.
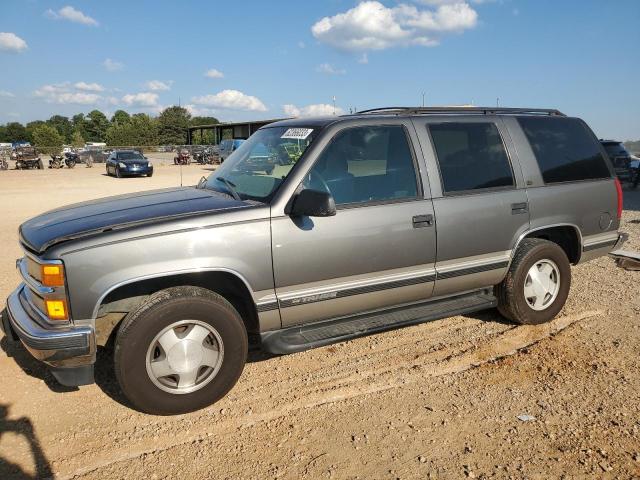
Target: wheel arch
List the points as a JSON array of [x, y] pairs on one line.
[[126, 295], [566, 235]]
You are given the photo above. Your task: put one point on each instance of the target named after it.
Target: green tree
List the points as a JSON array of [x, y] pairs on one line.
[[47, 139], [31, 126], [3, 134], [76, 139], [79, 124], [96, 124], [172, 125], [141, 130], [62, 125], [16, 132], [203, 121], [120, 117]]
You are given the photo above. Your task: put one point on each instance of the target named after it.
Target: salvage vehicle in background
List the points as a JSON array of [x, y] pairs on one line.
[[227, 147], [27, 157], [183, 157], [620, 158], [93, 154], [390, 217], [59, 161], [128, 163]]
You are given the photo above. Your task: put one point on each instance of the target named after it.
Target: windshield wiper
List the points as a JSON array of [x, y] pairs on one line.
[[231, 187]]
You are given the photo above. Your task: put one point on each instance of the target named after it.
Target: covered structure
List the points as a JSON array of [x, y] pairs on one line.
[[226, 130]]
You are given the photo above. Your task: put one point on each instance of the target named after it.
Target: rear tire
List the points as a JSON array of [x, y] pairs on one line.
[[139, 345], [537, 283], [40, 165]]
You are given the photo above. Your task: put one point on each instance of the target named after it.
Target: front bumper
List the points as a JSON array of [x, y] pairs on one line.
[[69, 351], [138, 171]]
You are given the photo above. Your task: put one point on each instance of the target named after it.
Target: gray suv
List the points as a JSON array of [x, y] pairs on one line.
[[387, 218]]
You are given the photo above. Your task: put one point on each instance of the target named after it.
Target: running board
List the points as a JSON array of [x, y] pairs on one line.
[[304, 337]]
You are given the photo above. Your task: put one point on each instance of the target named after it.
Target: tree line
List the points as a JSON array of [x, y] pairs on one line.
[[168, 128]]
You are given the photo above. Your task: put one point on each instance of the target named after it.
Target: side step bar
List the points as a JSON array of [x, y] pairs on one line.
[[305, 337]]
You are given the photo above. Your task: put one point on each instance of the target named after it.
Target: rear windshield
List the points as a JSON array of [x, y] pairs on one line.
[[565, 149]]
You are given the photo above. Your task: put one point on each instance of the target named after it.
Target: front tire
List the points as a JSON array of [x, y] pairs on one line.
[[537, 284], [181, 350]]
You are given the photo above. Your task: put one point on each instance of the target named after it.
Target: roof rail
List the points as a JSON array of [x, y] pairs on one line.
[[469, 110]]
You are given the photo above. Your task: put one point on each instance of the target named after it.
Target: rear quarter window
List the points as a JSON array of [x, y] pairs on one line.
[[565, 149]]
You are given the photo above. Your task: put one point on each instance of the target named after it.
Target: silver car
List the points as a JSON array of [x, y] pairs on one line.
[[383, 219]]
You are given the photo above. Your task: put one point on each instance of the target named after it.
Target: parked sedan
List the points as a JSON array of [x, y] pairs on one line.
[[128, 163]]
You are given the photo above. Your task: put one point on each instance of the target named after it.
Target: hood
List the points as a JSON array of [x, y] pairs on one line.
[[122, 211]]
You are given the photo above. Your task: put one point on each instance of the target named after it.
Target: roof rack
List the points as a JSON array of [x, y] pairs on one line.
[[462, 109]]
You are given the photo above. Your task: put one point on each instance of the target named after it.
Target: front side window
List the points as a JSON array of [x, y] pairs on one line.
[[257, 168], [471, 156], [366, 164], [565, 150]]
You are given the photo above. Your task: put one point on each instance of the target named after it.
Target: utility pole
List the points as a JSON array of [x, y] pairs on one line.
[[334, 104], [423, 94], [497, 101]]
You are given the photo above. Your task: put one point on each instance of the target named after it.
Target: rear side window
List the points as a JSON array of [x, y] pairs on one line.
[[565, 150], [471, 156]]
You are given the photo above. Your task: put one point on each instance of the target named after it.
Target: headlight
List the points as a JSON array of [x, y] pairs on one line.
[[122, 165], [149, 165]]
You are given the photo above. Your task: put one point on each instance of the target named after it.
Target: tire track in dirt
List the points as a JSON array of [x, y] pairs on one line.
[[306, 396]]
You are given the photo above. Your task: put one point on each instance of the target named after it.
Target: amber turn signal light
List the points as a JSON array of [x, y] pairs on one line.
[[52, 275], [57, 309]]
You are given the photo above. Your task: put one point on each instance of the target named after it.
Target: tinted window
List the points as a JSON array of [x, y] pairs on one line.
[[566, 151], [471, 156], [130, 156], [615, 149], [366, 164]]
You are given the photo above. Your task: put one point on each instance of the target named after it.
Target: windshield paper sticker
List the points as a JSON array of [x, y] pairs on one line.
[[298, 133]]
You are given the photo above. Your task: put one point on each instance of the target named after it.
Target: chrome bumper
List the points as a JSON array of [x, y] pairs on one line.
[[69, 351]]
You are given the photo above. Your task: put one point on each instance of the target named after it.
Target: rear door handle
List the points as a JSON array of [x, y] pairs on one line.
[[518, 208], [420, 221]]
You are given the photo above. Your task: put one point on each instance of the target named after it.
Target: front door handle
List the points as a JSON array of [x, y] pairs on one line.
[[420, 221]]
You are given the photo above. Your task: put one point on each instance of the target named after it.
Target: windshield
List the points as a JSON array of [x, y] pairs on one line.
[[615, 149], [261, 164], [130, 156]]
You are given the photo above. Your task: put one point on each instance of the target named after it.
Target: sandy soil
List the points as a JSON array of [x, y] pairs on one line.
[[439, 400]]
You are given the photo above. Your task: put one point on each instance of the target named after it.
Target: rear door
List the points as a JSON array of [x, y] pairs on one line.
[[480, 204]]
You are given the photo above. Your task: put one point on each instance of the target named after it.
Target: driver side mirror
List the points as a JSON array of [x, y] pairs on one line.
[[313, 203]]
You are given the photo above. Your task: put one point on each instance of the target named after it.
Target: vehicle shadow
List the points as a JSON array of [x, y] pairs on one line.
[[32, 367], [105, 377], [24, 428]]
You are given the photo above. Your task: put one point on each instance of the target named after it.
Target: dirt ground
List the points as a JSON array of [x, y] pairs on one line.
[[439, 400]]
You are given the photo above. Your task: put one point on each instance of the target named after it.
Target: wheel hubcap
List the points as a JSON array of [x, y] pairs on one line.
[[542, 284], [185, 356]]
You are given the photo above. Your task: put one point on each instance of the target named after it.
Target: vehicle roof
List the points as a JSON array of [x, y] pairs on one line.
[[126, 151], [404, 112], [609, 141]]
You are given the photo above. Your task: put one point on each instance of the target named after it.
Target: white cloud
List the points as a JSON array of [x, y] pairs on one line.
[[213, 73], [89, 87], [370, 25], [64, 93], [71, 14], [142, 99], [5, 94], [364, 58], [315, 110], [330, 69], [196, 111], [158, 85], [10, 42], [112, 65], [231, 100]]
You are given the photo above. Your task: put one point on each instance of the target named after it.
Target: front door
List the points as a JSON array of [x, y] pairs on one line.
[[377, 251]]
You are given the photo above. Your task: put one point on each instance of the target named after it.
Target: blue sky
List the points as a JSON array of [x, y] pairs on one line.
[[278, 58]]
